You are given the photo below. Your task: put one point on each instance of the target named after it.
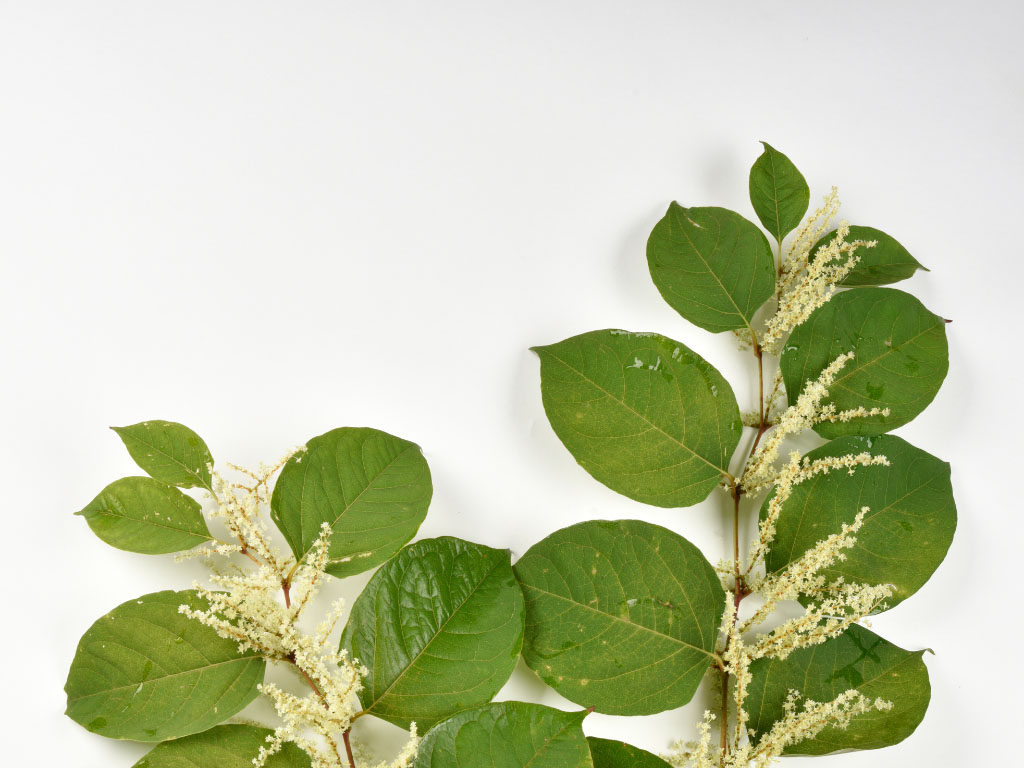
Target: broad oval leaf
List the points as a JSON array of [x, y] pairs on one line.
[[607, 753], [139, 514], [511, 734], [225, 746], [778, 192], [711, 265], [439, 627], [169, 452], [372, 488], [905, 535], [857, 659], [145, 672], [887, 262], [621, 616], [641, 413], [900, 357]]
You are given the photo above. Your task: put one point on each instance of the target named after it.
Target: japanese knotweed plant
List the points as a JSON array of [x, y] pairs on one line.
[[626, 617], [437, 630]]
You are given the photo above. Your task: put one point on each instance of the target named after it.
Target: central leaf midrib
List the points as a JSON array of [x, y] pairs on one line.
[[640, 416], [162, 677], [440, 630], [676, 640]]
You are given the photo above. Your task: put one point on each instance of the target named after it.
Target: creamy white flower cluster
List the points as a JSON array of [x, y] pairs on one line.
[[260, 609]]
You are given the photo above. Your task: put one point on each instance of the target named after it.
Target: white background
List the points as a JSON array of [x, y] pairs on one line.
[[266, 220]]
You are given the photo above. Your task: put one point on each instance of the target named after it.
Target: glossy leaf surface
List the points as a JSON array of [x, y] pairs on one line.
[[511, 734], [439, 627]]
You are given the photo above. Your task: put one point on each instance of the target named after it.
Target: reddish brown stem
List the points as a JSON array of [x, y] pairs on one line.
[[348, 749]]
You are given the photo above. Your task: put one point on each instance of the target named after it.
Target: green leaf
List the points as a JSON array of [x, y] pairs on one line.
[[139, 514], [148, 673], [900, 359], [225, 746], [607, 753], [642, 413], [905, 535], [439, 627], [778, 192], [169, 452], [857, 659], [885, 263], [511, 734], [711, 265], [621, 616], [372, 488]]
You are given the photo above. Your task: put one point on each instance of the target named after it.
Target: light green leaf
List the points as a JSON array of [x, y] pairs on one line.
[[169, 452], [439, 627], [139, 514], [607, 753], [642, 413], [372, 488], [146, 672], [621, 616], [905, 535], [900, 359], [778, 192], [711, 265], [887, 262], [857, 659], [511, 734], [225, 746]]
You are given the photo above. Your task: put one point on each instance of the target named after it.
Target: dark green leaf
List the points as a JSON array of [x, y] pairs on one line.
[[641, 413], [905, 535], [778, 192], [146, 672], [900, 359], [440, 627], [607, 753], [857, 659], [225, 746], [511, 734], [140, 514], [169, 452], [711, 265], [371, 487], [887, 262], [621, 616]]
